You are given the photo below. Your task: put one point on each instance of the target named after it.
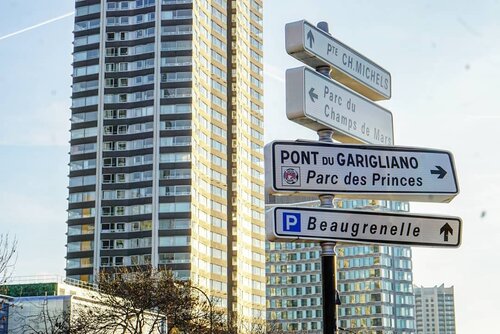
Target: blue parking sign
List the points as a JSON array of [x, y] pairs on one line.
[[291, 222]]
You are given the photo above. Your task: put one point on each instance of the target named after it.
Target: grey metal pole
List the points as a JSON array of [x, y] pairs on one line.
[[328, 254], [328, 277], [328, 268]]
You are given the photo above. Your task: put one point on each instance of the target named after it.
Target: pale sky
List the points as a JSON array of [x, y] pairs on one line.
[[444, 58]]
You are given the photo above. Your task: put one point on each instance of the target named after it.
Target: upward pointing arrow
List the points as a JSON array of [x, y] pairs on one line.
[[310, 37], [446, 229], [439, 171]]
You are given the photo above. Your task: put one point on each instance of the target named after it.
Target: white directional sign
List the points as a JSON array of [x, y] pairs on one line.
[[360, 171], [318, 103], [315, 48], [316, 224]]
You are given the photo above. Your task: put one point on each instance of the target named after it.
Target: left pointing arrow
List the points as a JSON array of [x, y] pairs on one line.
[[312, 94], [446, 229]]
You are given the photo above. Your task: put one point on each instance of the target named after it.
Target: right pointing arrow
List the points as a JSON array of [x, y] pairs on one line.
[[312, 94], [446, 229], [439, 171]]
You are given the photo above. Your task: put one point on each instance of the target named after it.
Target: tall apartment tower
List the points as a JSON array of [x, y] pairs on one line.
[[375, 284], [166, 160], [435, 310]]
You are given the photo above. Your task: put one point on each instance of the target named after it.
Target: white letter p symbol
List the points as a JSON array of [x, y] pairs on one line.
[[291, 221]]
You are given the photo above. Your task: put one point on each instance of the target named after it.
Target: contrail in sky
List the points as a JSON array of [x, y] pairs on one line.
[[36, 25]]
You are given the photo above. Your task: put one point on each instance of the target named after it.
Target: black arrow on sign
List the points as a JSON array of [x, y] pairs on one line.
[[446, 229], [439, 171], [310, 37], [312, 94]]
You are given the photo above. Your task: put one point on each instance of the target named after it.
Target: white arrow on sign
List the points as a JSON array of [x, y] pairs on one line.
[[315, 48], [317, 102], [355, 226], [360, 171]]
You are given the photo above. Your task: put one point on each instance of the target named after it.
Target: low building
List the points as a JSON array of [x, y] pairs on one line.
[[50, 305], [42, 302], [5, 302]]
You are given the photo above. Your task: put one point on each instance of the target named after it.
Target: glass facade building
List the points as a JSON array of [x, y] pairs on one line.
[[375, 284], [166, 159], [39, 314]]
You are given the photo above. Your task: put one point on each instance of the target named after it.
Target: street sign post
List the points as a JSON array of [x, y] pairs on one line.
[[350, 171], [316, 48], [356, 226], [318, 103], [360, 171]]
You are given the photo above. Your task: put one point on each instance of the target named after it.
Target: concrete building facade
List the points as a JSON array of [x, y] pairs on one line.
[[435, 310], [166, 159]]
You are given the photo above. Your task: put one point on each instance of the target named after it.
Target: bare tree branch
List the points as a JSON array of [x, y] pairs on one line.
[[8, 257]]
